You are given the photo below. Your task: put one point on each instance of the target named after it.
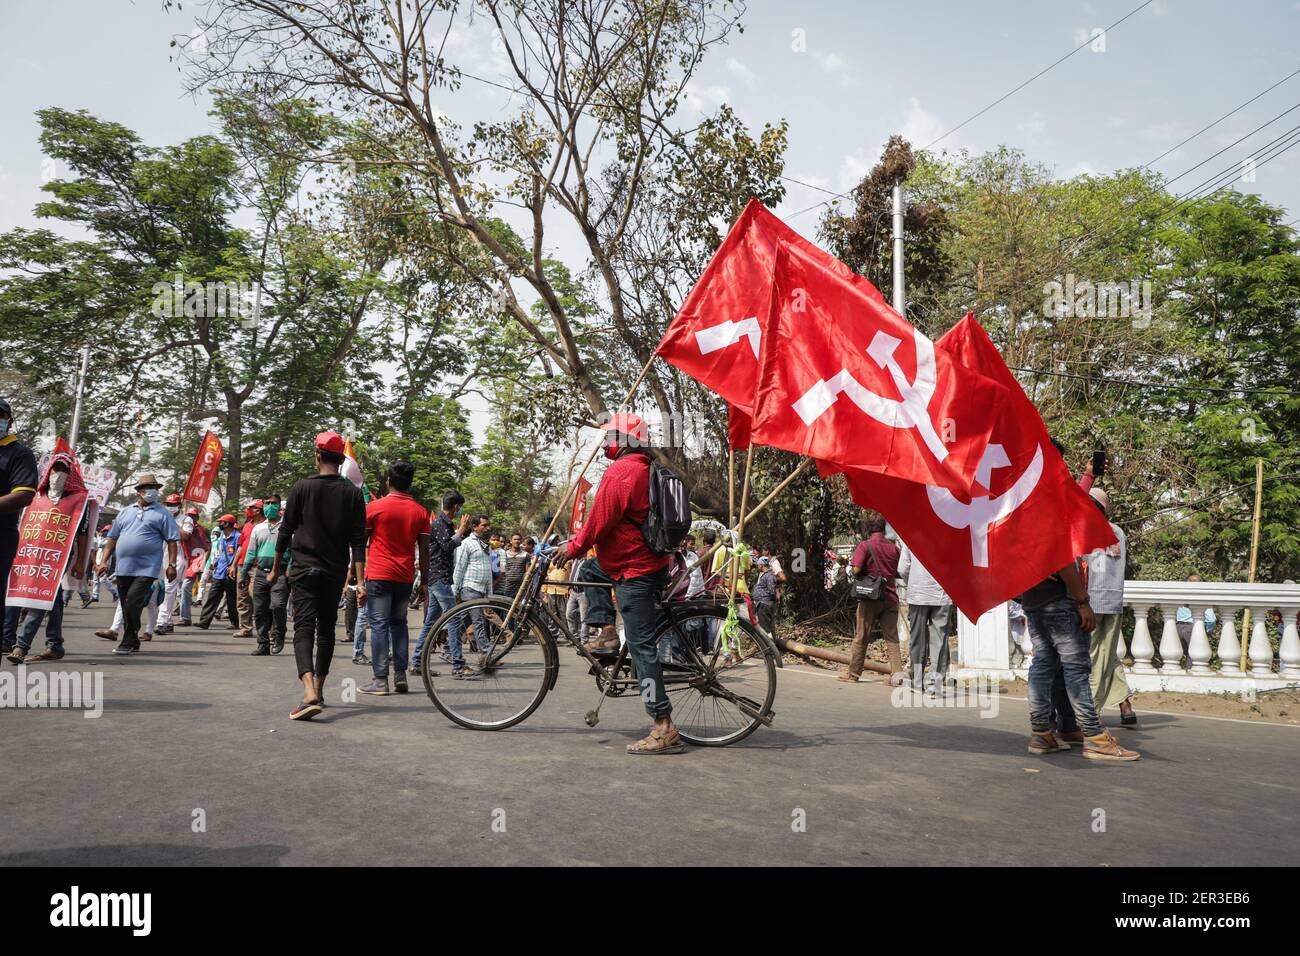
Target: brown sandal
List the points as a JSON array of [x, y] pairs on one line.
[[658, 743]]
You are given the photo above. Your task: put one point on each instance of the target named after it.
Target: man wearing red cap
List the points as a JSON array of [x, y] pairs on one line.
[[253, 516], [221, 586], [172, 593], [623, 558], [194, 539], [325, 523]]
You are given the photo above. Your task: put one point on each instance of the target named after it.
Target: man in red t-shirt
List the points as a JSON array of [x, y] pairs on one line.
[[396, 526], [637, 573]]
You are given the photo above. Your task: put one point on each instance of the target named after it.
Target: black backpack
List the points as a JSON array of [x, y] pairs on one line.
[[669, 519]]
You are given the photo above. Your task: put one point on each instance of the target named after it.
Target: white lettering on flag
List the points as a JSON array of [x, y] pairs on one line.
[[913, 411], [729, 333], [984, 510]]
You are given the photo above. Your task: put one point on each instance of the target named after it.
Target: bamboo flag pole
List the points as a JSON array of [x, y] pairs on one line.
[[532, 560], [731, 484], [1254, 559]]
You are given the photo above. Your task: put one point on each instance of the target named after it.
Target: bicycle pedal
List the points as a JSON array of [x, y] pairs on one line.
[[592, 718]]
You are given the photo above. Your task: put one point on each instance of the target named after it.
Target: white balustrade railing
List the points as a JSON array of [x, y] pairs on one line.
[[1210, 661]]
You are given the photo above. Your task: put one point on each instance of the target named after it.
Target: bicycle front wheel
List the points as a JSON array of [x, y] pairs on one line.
[[488, 679], [727, 704]]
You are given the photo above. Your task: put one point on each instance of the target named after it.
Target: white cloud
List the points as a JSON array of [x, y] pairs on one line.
[[921, 127], [746, 75], [701, 98], [1080, 169], [833, 64], [855, 166]]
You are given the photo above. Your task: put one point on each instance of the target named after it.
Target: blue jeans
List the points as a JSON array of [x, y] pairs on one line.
[[359, 634], [386, 605], [1060, 645], [187, 597], [53, 631], [457, 624], [638, 602], [441, 601]]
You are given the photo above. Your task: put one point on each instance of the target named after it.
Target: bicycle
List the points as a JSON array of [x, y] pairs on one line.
[[715, 703]]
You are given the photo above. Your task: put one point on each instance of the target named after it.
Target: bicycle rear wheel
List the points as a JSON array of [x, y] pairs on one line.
[[516, 676], [729, 705]]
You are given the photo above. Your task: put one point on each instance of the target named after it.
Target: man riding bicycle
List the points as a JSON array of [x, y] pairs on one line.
[[637, 574]]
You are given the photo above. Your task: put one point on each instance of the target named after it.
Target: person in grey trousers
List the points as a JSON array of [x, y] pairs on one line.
[[929, 611]]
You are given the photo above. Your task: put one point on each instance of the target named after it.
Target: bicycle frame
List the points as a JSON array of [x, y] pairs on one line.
[[702, 673]]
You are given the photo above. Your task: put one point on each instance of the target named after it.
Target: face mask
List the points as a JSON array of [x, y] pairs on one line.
[[272, 512], [175, 511], [57, 480], [611, 450], [151, 495]]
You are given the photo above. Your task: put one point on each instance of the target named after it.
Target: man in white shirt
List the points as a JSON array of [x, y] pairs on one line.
[[929, 610], [1106, 568]]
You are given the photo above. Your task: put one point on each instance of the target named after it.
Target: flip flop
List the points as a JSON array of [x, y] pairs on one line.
[[305, 711]]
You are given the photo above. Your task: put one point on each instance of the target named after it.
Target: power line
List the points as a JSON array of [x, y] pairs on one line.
[[1046, 69], [1204, 129], [1106, 380]]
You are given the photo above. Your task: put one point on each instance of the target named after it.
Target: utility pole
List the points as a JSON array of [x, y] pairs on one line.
[[900, 299], [81, 391]]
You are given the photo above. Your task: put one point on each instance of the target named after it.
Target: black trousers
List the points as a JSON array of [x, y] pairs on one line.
[[270, 609], [767, 617], [134, 592], [315, 599], [217, 592]]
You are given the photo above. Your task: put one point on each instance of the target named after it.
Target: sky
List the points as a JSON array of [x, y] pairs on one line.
[[845, 75]]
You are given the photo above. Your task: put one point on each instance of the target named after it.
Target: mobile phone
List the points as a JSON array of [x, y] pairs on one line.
[[1098, 463]]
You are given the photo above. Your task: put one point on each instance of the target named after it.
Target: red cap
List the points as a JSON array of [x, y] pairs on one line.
[[193, 512], [230, 518], [330, 441], [629, 424], [173, 499], [257, 503]]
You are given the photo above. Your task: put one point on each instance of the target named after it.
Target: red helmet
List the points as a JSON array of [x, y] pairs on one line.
[[173, 499], [628, 424]]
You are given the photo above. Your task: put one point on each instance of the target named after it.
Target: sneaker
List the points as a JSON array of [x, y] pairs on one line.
[[1104, 746], [360, 659], [399, 683], [445, 657], [277, 647], [261, 650], [1045, 743], [163, 629], [1068, 738], [377, 687], [124, 650], [184, 623]]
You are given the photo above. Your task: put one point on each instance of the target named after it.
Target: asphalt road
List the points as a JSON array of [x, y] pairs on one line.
[[195, 729]]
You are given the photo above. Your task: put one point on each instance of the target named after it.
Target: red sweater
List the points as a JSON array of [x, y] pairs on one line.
[[614, 525]]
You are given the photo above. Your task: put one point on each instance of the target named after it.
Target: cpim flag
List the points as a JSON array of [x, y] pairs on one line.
[[1026, 518], [739, 426], [578, 516], [847, 380], [204, 470], [716, 336]]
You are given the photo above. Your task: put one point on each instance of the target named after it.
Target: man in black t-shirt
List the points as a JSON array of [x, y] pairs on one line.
[[325, 523], [18, 480]]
